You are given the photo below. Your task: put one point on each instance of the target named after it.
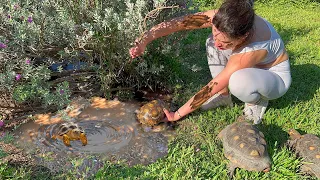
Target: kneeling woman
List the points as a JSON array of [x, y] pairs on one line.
[[245, 55]]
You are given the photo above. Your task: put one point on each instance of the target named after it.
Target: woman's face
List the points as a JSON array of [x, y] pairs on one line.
[[223, 42]]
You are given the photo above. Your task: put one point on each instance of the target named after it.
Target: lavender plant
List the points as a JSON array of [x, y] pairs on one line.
[[35, 34]]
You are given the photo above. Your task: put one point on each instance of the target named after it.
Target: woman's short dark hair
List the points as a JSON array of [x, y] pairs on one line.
[[235, 18]]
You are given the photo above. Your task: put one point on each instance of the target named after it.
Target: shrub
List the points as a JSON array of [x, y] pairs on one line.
[[37, 34]]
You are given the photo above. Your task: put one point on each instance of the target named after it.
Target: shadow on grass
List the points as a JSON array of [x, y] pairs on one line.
[[274, 134], [41, 172]]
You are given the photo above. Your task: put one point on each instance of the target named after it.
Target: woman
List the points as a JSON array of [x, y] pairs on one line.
[[244, 53]]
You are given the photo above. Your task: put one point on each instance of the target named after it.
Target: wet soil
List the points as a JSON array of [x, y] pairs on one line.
[[112, 131]]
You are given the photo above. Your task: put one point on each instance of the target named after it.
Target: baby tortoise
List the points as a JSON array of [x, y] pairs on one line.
[[70, 131], [306, 146], [151, 113], [244, 145]]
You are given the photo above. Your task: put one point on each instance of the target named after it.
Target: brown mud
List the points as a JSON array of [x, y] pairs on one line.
[[112, 131]]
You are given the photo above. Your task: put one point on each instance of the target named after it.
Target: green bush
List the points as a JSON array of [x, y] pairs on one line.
[[97, 32]]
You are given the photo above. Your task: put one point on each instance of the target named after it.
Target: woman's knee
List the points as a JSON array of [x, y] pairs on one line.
[[241, 85], [239, 80], [251, 83]]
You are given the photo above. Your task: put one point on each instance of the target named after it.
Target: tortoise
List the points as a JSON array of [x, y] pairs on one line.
[[151, 116], [70, 131], [151, 113], [244, 145], [306, 146]]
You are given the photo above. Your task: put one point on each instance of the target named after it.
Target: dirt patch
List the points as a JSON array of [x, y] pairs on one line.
[[112, 131], [15, 156]]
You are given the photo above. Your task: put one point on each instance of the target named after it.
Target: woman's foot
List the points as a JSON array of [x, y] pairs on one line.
[[255, 112], [216, 101]]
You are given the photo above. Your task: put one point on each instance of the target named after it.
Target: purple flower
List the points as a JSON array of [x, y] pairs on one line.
[[18, 76], [2, 134], [2, 45], [28, 61], [61, 91], [8, 16], [16, 6], [1, 123], [7, 41], [30, 19]]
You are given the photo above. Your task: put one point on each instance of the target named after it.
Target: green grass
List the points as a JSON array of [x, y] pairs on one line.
[[196, 153], [7, 138]]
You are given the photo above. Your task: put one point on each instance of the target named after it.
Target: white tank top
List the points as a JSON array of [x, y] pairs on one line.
[[274, 46]]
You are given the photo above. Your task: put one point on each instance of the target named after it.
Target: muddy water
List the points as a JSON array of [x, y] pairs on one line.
[[112, 132]]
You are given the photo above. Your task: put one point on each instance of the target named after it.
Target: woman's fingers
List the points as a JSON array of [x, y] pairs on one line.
[[169, 115], [134, 52], [131, 52], [166, 112]]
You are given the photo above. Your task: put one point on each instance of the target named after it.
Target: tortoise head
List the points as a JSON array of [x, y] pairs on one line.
[[75, 128], [263, 165], [294, 134], [76, 132]]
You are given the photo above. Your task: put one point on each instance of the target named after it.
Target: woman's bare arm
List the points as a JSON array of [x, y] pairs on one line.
[[189, 22], [236, 62]]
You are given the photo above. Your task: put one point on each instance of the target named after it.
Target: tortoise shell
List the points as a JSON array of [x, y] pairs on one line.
[[306, 146], [64, 128], [244, 145], [70, 131], [151, 113]]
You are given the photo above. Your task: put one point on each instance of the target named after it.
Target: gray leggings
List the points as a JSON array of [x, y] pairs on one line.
[[250, 84]]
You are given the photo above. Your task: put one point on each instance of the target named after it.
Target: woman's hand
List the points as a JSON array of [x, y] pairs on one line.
[[170, 116], [137, 50]]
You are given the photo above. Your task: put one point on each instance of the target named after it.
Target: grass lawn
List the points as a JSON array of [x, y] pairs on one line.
[[196, 153]]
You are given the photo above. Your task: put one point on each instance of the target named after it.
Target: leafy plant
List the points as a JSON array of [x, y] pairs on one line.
[[97, 33], [2, 153]]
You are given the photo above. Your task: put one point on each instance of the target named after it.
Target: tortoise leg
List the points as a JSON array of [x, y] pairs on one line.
[[231, 168], [221, 134], [305, 169], [83, 139], [66, 140], [241, 118], [54, 137], [291, 144], [294, 134]]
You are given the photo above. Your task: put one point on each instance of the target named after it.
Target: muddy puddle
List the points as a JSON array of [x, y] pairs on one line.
[[112, 131]]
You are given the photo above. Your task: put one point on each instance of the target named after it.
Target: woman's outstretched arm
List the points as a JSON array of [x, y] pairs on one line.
[[189, 22]]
